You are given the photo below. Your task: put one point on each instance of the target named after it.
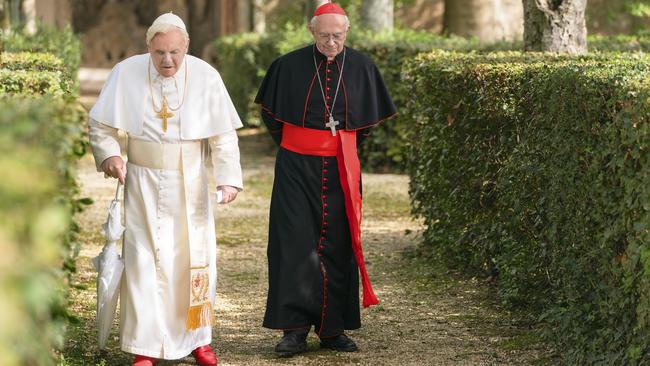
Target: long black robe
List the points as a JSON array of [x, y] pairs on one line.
[[313, 275]]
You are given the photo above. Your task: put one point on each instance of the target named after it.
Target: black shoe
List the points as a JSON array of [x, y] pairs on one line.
[[341, 343], [292, 342]]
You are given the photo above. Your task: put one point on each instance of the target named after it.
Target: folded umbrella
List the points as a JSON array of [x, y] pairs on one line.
[[109, 266]]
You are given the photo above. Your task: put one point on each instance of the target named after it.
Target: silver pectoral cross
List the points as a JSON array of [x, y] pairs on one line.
[[332, 125]]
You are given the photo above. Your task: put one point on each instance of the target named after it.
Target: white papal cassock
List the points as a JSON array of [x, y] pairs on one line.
[[167, 203]]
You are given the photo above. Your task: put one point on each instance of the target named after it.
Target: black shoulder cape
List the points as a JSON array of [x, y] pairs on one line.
[[290, 92]]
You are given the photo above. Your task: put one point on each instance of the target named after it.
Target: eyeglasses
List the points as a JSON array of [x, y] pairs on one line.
[[335, 36]]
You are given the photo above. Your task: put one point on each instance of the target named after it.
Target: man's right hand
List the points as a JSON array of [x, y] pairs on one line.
[[114, 167]]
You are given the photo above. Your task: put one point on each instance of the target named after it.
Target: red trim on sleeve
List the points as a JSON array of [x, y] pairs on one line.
[[268, 111], [375, 123]]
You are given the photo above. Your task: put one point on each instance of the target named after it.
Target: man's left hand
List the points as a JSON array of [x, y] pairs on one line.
[[229, 193]]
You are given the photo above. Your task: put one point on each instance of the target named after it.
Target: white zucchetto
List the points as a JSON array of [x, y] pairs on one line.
[[171, 19]]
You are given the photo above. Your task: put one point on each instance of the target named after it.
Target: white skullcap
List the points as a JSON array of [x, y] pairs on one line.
[[171, 19], [165, 23]]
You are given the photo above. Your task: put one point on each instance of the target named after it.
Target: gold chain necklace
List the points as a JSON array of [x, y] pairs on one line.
[[163, 113]]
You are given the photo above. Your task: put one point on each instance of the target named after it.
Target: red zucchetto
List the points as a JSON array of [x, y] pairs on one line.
[[329, 8]]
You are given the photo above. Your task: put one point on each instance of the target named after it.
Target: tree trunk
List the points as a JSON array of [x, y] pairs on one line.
[[488, 20], [29, 12], [259, 16], [377, 15], [244, 16], [201, 23], [555, 26], [310, 8], [6, 15], [15, 12]]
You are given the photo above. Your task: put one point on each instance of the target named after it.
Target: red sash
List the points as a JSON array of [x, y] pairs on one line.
[[309, 141]]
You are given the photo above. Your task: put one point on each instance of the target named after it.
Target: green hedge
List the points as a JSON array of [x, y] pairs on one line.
[[34, 73], [534, 169], [30, 82], [31, 61], [40, 142], [243, 59], [622, 43], [41, 137], [65, 45]]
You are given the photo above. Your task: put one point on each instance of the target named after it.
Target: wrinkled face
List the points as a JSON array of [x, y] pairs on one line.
[[167, 51], [329, 32]]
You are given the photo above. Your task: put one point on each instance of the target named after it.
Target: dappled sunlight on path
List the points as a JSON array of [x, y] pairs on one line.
[[424, 317]]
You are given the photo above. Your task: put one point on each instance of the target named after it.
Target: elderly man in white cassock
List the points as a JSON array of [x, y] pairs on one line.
[[178, 116]]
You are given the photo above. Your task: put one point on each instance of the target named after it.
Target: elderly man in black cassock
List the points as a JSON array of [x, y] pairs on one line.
[[319, 103]]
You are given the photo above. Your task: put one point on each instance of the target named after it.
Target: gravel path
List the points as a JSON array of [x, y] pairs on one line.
[[426, 315]]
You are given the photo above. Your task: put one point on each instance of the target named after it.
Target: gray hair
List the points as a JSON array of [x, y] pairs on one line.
[[312, 22], [164, 28]]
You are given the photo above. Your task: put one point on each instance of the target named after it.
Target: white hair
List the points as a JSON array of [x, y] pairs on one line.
[[312, 22], [163, 28]]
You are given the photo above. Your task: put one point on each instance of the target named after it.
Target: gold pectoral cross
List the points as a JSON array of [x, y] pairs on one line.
[[164, 114]]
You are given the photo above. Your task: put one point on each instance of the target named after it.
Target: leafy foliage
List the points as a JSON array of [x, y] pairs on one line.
[[34, 73], [28, 82], [40, 141], [532, 168], [64, 45], [622, 43], [243, 59], [41, 138]]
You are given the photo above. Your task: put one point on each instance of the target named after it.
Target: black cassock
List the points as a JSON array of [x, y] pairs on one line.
[[313, 275]]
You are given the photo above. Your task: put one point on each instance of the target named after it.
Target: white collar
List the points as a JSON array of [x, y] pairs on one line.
[[178, 77]]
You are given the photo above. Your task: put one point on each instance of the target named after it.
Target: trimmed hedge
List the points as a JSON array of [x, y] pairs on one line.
[[31, 61], [40, 142], [533, 169], [243, 59], [34, 73], [621, 43], [42, 137], [65, 45], [33, 82]]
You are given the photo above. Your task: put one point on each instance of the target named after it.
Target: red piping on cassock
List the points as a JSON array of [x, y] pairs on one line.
[[309, 141]]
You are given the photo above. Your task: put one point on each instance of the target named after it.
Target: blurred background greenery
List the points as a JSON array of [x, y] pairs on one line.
[[52, 51]]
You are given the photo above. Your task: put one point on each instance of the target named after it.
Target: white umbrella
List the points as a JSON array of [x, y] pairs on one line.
[[109, 266]]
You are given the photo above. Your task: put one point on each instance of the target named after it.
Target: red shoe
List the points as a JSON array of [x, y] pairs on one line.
[[143, 361], [204, 356]]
